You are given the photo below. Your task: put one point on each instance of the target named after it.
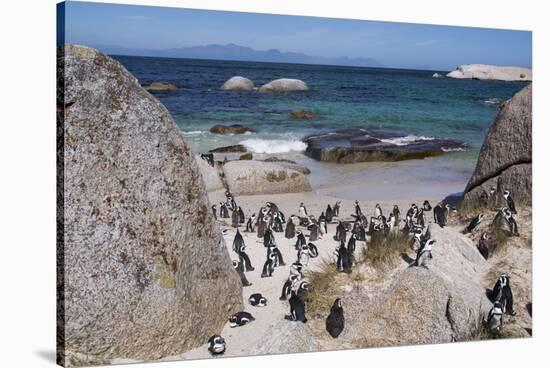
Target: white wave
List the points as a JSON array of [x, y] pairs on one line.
[[271, 146], [403, 141], [457, 149], [193, 132], [492, 101]]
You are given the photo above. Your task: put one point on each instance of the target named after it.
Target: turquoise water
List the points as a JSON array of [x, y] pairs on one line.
[[342, 97]]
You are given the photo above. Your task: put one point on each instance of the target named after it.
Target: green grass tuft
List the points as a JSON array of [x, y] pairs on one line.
[[382, 250]]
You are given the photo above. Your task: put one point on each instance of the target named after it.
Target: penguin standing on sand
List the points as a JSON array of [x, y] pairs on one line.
[[239, 247], [512, 224], [377, 211], [297, 308], [214, 210], [420, 220], [216, 345], [290, 230], [241, 215], [336, 209], [269, 238], [251, 224], [358, 211], [302, 212], [235, 219], [474, 223], [329, 213], [300, 240], [483, 245], [494, 319], [396, 213], [502, 293], [510, 202], [343, 263], [269, 265], [359, 231], [427, 206], [224, 212], [240, 319], [278, 256], [257, 300], [288, 286], [323, 224], [314, 232], [440, 215], [340, 232], [230, 201], [351, 248], [277, 222], [335, 320], [239, 267]]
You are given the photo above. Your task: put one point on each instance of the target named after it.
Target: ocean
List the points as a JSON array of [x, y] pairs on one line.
[[342, 97]]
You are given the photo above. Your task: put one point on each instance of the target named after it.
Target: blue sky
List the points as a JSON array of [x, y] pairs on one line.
[[398, 45]]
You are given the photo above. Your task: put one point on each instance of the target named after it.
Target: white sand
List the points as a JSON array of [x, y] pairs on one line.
[[241, 340]]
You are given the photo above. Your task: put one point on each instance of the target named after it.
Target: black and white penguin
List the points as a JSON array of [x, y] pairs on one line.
[[312, 250], [424, 254], [412, 211], [483, 245], [251, 224], [296, 269], [511, 222], [396, 213], [336, 209], [314, 232], [240, 319], [377, 210], [502, 292], [426, 206], [335, 320], [290, 229], [235, 219], [420, 220], [392, 223], [241, 215], [208, 157], [358, 211], [224, 212], [269, 238], [474, 223], [340, 232], [510, 201], [323, 224], [329, 214], [302, 211], [493, 198], [343, 263], [278, 222], [351, 248], [440, 215], [269, 265], [214, 210], [230, 201], [239, 267], [297, 308], [257, 300], [278, 260], [288, 286], [216, 345], [300, 240], [262, 225], [359, 231], [494, 319], [238, 242]]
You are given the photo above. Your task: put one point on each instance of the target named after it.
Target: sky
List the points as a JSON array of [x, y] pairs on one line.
[[399, 45]]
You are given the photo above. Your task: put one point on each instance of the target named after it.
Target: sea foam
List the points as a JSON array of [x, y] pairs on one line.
[[403, 141], [271, 146]]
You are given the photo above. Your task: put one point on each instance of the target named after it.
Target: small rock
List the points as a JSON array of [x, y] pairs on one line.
[[232, 148], [160, 86], [246, 156], [302, 114], [231, 129]]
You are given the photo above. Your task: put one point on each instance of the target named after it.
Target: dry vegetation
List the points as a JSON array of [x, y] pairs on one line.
[[384, 250]]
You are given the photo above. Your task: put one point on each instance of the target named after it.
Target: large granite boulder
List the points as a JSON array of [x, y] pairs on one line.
[[491, 72], [260, 177], [143, 271], [287, 337], [444, 302], [284, 85], [359, 145], [506, 154], [238, 83]]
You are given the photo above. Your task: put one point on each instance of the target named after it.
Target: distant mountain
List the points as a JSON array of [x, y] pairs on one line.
[[239, 53]]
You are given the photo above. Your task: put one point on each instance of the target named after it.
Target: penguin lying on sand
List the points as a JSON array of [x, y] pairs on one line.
[[240, 319], [216, 345], [257, 300]]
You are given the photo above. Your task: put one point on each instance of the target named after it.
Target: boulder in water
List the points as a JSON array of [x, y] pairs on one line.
[[160, 86], [231, 129], [227, 149], [284, 85], [302, 114], [144, 272], [491, 72], [238, 83]]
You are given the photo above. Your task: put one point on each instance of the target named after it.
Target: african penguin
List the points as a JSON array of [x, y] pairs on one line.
[[288, 286], [512, 224], [251, 224], [483, 245], [269, 265], [239, 267], [343, 263], [302, 210], [216, 345], [502, 293], [257, 300], [473, 224], [300, 240], [358, 211], [426, 206], [494, 319], [208, 157], [297, 308], [241, 215], [510, 202], [214, 211], [440, 215], [424, 254], [340, 232], [329, 213], [336, 209], [335, 320], [396, 213], [314, 232], [240, 319], [235, 219], [322, 223], [377, 210], [290, 230], [224, 212]]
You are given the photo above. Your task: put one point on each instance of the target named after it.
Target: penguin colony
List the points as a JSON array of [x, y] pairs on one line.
[[269, 219]]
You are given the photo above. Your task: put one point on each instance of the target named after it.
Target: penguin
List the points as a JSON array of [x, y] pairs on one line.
[[351, 248], [239, 267], [512, 224], [483, 245], [440, 215], [278, 256], [230, 201], [297, 308], [288, 285], [312, 250], [262, 225], [426, 206], [224, 213], [359, 231], [238, 242], [396, 213], [322, 224], [313, 231], [269, 238], [336, 209], [340, 232], [296, 269], [303, 255], [420, 220], [240, 319], [208, 157], [494, 319], [300, 240], [216, 345], [343, 263], [424, 254], [241, 215], [329, 213], [377, 210], [269, 266], [290, 230], [251, 224], [214, 210], [273, 208], [235, 219], [302, 210], [493, 199], [473, 224], [358, 211], [277, 222], [502, 293], [392, 223], [335, 320], [412, 211], [257, 300], [510, 202]]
